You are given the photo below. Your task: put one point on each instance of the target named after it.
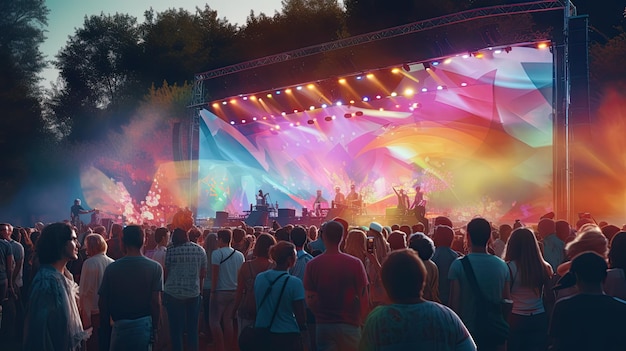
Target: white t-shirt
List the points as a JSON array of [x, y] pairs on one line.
[[229, 266]]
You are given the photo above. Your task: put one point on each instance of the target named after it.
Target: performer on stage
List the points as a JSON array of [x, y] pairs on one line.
[[317, 204], [419, 204], [353, 199], [340, 198], [75, 211], [352, 195], [261, 199], [403, 200]]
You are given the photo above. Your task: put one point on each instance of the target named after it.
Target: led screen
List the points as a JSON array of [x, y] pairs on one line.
[[475, 131]]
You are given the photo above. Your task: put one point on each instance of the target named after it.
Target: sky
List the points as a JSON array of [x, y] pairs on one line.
[[67, 15]]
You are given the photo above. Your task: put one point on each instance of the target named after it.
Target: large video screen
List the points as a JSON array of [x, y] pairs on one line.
[[474, 131]]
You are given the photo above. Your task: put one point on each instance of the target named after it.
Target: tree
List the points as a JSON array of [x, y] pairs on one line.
[[21, 126], [179, 44], [99, 68]]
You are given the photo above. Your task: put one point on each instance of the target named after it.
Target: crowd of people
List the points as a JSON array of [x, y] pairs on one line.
[[480, 286]]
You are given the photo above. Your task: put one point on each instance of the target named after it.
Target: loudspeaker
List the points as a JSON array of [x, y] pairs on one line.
[[286, 213], [221, 218], [258, 218]]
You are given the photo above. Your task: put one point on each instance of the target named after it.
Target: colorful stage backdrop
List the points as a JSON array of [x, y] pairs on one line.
[[475, 131]]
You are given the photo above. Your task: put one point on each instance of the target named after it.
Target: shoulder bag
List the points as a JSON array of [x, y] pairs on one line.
[[259, 338], [490, 323]]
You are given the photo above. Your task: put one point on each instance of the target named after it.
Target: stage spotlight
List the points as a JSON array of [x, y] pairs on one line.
[[440, 87], [269, 95], [406, 67], [216, 105], [395, 70], [324, 105], [543, 45], [348, 115], [463, 84], [359, 77], [328, 118], [283, 113], [243, 121], [311, 107], [378, 97], [447, 61], [254, 118], [342, 81], [224, 102], [295, 111], [310, 121], [288, 91], [424, 90], [351, 102], [232, 122], [245, 98], [497, 52], [366, 99], [435, 63], [394, 94], [359, 113], [278, 92], [465, 56], [338, 103], [426, 66], [409, 92], [299, 88], [370, 76], [291, 124], [311, 86]]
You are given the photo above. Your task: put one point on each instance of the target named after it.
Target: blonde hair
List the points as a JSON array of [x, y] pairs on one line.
[[356, 244], [589, 238], [96, 243]]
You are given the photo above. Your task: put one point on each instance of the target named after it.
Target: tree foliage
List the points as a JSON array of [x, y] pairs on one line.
[[99, 67], [21, 126]]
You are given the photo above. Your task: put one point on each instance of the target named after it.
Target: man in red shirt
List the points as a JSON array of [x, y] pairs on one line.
[[335, 287]]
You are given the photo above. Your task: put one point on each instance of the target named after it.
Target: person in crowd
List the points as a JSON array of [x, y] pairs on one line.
[[356, 245], [564, 231], [194, 234], [210, 245], [492, 276], [130, 296], [316, 246], [290, 319], [380, 242], [615, 284], [225, 263], [114, 244], [397, 240], [601, 316], [609, 231], [90, 280], [443, 258], [298, 238], [530, 274], [411, 322], [29, 253], [12, 306], [497, 244], [553, 247], [312, 234], [185, 269], [244, 309], [6, 264], [589, 238], [239, 241], [53, 320], [336, 292], [425, 249], [162, 238]]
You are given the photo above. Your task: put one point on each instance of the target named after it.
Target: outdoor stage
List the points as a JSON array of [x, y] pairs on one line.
[[480, 127]]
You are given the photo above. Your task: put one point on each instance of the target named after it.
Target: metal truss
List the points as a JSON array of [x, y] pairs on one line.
[[536, 6]]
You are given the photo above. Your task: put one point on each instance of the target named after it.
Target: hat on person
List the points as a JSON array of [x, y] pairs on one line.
[[375, 226]]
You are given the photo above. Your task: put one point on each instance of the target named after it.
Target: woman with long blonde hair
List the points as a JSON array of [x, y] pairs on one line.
[[529, 275]]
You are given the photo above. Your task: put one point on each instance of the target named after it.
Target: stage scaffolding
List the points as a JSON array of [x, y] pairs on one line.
[[563, 171]]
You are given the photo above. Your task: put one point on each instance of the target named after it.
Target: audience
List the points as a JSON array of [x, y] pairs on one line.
[[359, 295]]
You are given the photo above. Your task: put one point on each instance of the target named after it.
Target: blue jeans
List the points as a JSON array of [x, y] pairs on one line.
[[183, 315], [337, 337], [131, 335]]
